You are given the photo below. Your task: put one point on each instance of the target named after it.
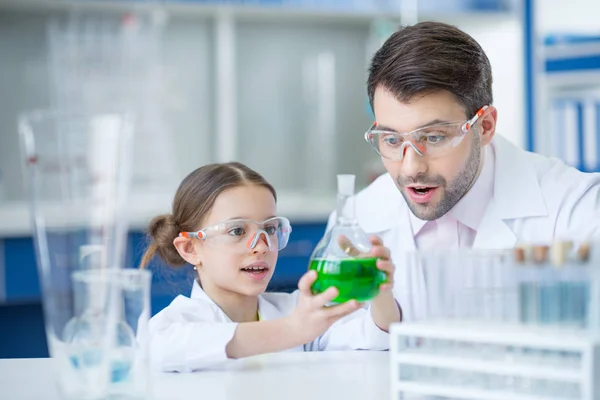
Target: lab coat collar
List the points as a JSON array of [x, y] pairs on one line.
[[470, 210], [198, 293], [517, 190], [380, 206], [266, 309], [517, 194]]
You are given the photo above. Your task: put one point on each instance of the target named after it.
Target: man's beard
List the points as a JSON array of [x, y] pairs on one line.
[[452, 193]]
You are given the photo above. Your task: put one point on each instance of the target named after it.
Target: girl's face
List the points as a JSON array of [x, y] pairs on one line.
[[226, 259]]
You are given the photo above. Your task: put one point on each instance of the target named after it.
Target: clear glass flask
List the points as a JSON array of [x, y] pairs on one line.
[[342, 257]]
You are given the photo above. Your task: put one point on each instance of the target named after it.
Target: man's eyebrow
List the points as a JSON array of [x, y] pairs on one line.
[[432, 122]]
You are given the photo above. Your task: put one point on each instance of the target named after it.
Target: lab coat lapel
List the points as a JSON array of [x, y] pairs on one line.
[[267, 310], [517, 194], [516, 185], [384, 212], [493, 233], [404, 232]]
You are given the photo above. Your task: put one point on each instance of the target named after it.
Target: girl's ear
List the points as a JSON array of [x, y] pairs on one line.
[[186, 249]]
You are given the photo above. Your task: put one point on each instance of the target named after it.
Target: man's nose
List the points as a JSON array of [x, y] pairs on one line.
[[413, 163]]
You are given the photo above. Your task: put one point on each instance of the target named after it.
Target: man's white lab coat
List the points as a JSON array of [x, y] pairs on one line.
[[192, 332], [536, 200]]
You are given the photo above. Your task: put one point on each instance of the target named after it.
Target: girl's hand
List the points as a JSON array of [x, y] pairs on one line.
[[312, 318]]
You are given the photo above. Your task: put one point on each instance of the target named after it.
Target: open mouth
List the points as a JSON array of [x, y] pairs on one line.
[[256, 270], [421, 194], [421, 190]]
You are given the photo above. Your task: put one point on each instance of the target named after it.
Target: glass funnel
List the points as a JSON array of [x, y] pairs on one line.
[[342, 257]]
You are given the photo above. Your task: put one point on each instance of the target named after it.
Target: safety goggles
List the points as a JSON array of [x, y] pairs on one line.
[[245, 234], [431, 141]]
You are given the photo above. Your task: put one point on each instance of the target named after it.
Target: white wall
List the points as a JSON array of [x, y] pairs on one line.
[[503, 43], [573, 16], [502, 40]]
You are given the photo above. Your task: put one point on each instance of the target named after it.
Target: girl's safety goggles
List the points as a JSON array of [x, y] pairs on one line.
[[245, 234]]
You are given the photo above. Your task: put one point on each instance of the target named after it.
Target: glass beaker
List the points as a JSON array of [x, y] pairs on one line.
[[342, 257], [124, 296], [78, 175]]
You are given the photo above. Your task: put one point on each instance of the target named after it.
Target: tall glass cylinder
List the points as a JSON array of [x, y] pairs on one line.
[[78, 175]]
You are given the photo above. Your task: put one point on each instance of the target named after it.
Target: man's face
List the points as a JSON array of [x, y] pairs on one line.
[[431, 186]]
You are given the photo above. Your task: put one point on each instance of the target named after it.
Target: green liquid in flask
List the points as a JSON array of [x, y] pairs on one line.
[[355, 278]]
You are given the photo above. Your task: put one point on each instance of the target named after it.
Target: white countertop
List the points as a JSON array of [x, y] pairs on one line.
[[359, 375], [15, 219]]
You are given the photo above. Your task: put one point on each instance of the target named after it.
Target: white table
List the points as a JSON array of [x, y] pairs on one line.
[[359, 375]]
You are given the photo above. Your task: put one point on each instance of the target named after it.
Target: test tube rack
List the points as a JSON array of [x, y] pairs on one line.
[[450, 359]]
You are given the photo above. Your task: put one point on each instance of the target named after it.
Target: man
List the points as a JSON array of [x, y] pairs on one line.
[[450, 181]]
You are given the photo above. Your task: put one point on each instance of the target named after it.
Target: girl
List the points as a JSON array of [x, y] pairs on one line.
[[224, 223]]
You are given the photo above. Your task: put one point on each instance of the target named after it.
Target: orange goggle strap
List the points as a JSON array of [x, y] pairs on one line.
[[193, 235], [467, 125]]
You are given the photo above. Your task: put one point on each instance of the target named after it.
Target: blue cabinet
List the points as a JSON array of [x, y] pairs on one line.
[[20, 275], [21, 317]]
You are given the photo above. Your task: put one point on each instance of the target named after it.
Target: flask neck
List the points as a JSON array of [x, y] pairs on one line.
[[346, 213]]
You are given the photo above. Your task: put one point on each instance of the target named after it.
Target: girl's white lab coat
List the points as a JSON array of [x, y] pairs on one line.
[[192, 332], [536, 199]]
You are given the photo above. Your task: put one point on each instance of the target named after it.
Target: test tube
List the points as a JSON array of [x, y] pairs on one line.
[[511, 283], [558, 258], [577, 287], [542, 286], [581, 293], [583, 259], [524, 311], [583, 253], [586, 255]]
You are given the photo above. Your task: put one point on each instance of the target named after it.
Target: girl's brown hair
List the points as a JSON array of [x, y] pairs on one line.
[[193, 200]]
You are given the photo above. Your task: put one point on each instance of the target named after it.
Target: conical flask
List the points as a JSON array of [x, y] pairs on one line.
[[342, 257]]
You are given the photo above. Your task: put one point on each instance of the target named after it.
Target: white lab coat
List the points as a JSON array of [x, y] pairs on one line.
[[536, 199], [192, 332]]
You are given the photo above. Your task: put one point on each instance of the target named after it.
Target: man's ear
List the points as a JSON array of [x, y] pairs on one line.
[[488, 123], [186, 249]]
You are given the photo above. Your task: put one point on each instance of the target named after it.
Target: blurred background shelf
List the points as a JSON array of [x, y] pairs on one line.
[[300, 209], [277, 85], [569, 98], [274, 114], [572, 58], [333, 10]]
